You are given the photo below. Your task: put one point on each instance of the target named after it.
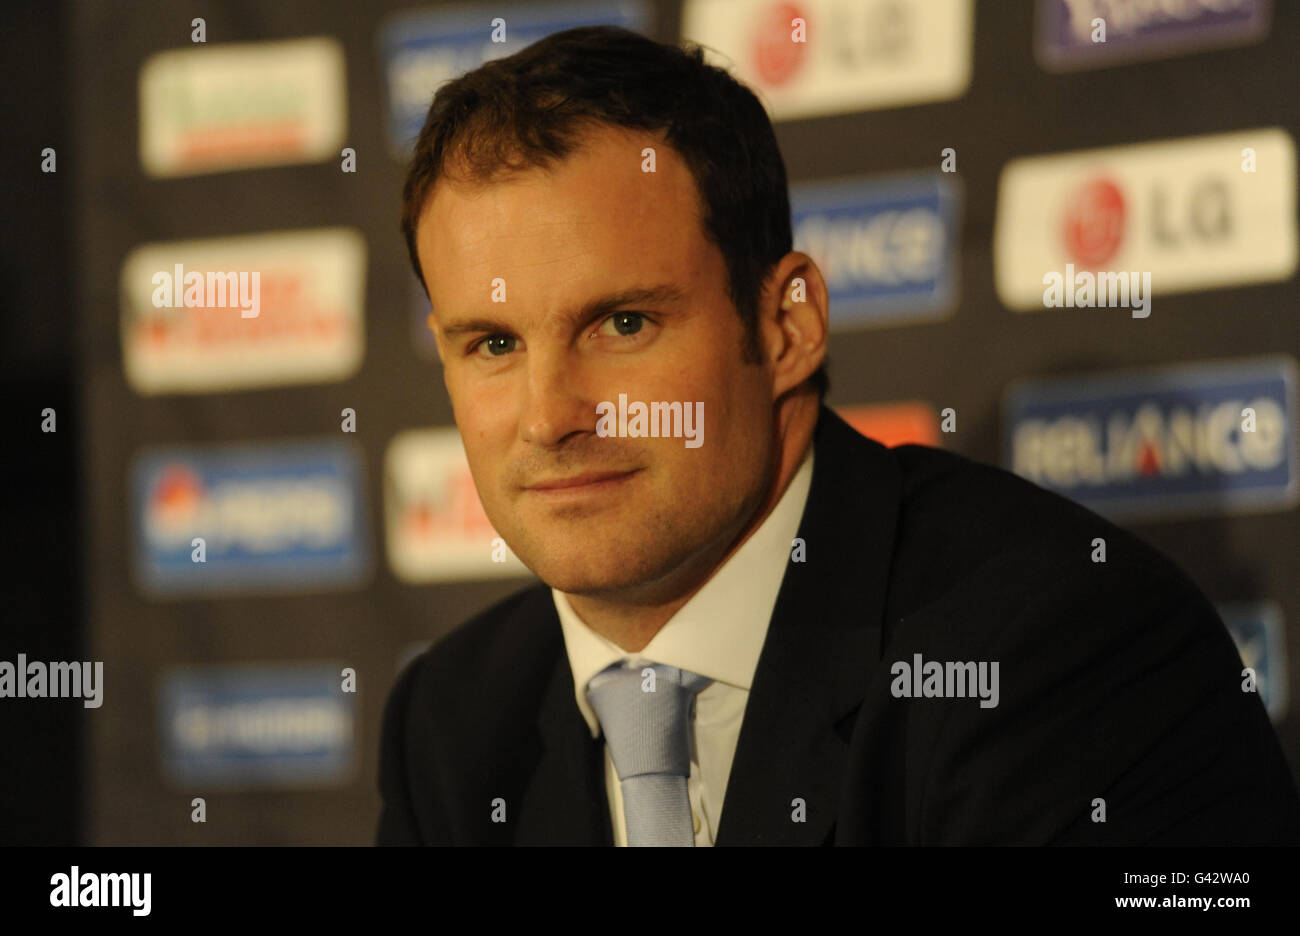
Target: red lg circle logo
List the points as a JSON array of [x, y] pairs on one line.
[[776, 55], [1094, 222]]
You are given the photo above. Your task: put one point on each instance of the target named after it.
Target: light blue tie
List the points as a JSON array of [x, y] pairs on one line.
[[648, 734]]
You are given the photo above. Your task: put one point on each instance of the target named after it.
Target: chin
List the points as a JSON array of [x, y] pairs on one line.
[[577, 579], [596, 568]]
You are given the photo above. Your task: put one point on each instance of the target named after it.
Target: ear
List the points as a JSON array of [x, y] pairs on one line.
[[793, 319], [431, 323]]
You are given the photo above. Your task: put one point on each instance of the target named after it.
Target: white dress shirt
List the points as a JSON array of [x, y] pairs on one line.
[[718, 633]]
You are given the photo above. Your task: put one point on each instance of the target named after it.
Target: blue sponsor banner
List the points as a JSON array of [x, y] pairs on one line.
[[1169, 441], [887, 246], [257, 725], [280, 516], [1140, 29], [422, 50], [1256, 629]]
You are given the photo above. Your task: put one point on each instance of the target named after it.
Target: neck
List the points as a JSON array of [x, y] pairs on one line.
[[631, 622]]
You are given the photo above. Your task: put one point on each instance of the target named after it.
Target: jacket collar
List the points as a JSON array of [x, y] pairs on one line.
[[565, 802], [825, 631]]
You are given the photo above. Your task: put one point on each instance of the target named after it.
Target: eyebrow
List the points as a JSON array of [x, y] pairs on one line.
[[662, 294]]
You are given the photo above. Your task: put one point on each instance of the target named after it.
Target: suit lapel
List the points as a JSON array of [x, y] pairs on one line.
[[824, 633], [564, 802]]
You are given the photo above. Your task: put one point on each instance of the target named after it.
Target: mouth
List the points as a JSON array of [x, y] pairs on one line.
[[588, 483]]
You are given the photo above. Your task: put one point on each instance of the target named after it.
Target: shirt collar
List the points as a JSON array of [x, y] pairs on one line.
[[719, 632]]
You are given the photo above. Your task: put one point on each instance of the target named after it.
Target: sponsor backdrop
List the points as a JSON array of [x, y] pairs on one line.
[[1072, 258]]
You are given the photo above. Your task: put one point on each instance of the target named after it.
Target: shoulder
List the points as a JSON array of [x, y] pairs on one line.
[[967, 528], [1111, 675], [496, 647]]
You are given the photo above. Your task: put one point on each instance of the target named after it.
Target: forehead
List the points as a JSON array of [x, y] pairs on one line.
[[589, 222]]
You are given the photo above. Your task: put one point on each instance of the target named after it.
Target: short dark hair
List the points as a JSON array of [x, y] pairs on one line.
[[531, 108]]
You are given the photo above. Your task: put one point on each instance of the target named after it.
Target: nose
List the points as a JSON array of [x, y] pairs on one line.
[[554, 405]]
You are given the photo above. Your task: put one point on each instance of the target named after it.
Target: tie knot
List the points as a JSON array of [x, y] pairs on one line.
[[645, 715]]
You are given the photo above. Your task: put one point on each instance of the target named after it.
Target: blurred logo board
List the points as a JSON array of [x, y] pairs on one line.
[[849, 55], [257, 725], [309, 327], [423, 50], [908, 422], [1163, 442], [1186, 211], [1256, 629], [1141, 29], [275, 516], [241, 106], [436, 527], [887, 245]]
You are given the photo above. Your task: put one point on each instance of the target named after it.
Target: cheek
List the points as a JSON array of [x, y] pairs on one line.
[[487, 474], [479, 412], [475, 433], [483, 446], [734, 402]]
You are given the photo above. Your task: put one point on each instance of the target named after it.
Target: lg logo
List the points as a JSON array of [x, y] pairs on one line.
[[1096, 218]]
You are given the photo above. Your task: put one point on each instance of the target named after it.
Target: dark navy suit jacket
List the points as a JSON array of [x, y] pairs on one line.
[[1117, 681]]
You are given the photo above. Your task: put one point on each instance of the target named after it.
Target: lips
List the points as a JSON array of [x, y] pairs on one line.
[[581, 480]]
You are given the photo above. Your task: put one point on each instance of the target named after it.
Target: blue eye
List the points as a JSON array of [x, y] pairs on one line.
[[496, 345]]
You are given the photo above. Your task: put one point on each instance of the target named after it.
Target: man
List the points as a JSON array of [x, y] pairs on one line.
[[745, 601]]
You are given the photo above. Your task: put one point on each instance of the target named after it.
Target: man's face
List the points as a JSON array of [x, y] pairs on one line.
[[525, 375]]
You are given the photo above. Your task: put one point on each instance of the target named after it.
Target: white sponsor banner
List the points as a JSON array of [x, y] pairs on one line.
[[858, 54], [1198, 213], [236, 106], [436, 529], [308, 327]]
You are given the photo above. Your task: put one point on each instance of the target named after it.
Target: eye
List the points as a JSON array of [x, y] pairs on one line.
[[496, 345], [625, 323]]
